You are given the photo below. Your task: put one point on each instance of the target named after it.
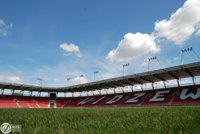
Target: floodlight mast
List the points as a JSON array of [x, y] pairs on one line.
[[187, 50], [40, 80], [149, 61], [125, 65], [68, 79], [183, 51], [95, 72], [154, 58], [80, 78]]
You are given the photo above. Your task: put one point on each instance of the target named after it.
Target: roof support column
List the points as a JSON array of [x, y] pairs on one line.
[[142, 88], [99, 92], [132, 90], [178, 82], [72, 94], [123, 89], [152, 84], [3, 91], [39, 93], [21, 92], [164, 84], [12, 91], [88, 93], [193, 80], [114, 91], [107, 91]]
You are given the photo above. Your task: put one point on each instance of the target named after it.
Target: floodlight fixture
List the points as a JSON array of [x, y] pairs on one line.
[[152, 58], [68, 79], [125, 65], [80, 78], [39, 81], [95, 72]]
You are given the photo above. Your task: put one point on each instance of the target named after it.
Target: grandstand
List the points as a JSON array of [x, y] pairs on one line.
[[177, 95]]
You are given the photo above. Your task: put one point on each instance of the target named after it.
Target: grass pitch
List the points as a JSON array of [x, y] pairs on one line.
[[149, 120]]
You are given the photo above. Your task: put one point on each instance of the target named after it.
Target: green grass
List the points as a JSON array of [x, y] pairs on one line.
[[149, 120]]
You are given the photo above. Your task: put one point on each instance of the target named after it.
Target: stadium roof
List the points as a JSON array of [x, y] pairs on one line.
[[176, 72]]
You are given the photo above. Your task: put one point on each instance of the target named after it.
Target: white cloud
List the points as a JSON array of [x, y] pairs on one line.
[[174, 60], [4, 77], [181, 24], [2, 22], [57, 76], [133, 45], [4, 28], [70, 48], [79, 80]]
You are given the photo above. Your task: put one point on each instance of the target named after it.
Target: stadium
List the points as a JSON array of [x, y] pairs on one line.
[[179, 95], [104, 67]]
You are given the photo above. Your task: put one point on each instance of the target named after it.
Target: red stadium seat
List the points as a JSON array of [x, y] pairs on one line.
[[188, 95]]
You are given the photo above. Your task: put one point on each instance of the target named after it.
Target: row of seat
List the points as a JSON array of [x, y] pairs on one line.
[[189, 95], [171, 96], [23, 102]]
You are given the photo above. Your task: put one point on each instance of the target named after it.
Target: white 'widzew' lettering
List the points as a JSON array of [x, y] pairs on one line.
[[86, 100], [184, 94], [135, 98], [115, 99], [98, 100], [159, 96]]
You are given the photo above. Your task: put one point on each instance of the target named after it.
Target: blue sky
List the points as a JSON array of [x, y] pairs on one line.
[[55, 40]]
